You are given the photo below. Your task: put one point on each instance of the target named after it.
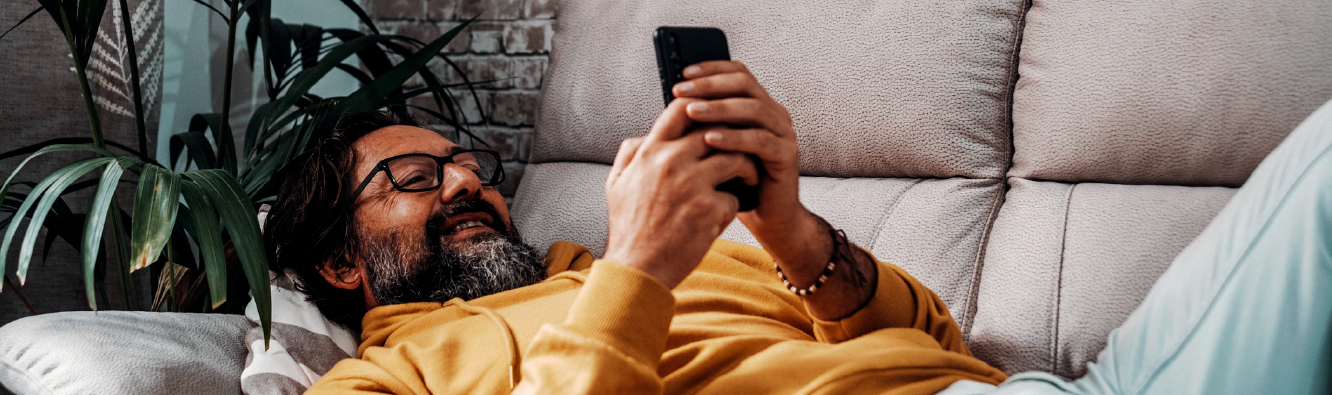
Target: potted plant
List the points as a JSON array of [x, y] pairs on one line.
[[187, 218]]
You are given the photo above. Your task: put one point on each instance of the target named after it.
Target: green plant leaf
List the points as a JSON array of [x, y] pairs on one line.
[[360, 13], [79, 20], [241, 222], [308, 39], [226, 146], [43, 196], [34, 12], [46, 150], [215, 11], [154, 215], [197, 147], [365, 98], [63, 140], [279, 56], [356, 73], [374, 59], [62, 223], [93, 226], [300, 85], [209, 237], [430, 89]]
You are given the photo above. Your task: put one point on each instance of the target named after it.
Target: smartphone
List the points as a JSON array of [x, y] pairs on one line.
[[679, 47]]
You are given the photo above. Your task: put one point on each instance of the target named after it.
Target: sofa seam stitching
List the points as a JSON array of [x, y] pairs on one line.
[[973, 293], [884, 223], [1015, 60], [1059, 283]]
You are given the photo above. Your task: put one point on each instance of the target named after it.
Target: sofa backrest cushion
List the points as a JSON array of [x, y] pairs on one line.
[[876, 89], [912, 101], [1188, 92]]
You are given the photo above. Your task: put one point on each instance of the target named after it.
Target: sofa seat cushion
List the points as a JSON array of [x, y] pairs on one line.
[[1067, 263], [117, 352], [933, 228]]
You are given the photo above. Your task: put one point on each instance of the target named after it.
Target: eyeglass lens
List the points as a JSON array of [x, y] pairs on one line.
[[416, 173]]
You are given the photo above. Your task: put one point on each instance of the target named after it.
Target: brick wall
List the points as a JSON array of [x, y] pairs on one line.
[[509, 42]]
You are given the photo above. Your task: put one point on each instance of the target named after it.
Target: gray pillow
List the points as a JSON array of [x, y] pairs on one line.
[[117, 352]]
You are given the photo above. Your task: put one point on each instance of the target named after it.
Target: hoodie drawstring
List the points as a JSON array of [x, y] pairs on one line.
[[514, 359]]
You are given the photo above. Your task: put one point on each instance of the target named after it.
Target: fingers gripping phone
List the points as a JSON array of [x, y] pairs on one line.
[[679, 47]]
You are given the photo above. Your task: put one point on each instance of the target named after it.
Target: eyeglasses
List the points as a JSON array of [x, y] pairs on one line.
[[425, 172]]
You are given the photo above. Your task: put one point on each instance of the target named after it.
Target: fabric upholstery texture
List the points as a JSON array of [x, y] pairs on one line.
[[919, 92], [1067, 263], [117, 352], [1166, 92], [563, 201], [931, 228]]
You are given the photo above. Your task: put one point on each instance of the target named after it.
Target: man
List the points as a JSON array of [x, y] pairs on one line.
[[396, 220]]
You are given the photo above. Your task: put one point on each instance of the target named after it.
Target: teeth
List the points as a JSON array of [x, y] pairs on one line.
[[467, 225]]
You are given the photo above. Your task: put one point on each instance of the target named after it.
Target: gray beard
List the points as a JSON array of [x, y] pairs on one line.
[[429, 268]]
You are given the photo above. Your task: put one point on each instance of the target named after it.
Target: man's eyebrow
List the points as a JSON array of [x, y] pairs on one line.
[[454, 149]]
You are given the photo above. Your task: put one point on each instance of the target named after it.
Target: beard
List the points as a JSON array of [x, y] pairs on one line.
[[405, 267]]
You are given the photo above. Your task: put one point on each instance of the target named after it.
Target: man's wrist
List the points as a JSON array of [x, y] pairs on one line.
[[805, 257], [850, 283]]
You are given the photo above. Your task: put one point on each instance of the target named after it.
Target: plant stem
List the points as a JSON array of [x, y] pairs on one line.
[[171, 274], [19, 292], [231, 58], [127, 289], [134, 81], [94, 121]]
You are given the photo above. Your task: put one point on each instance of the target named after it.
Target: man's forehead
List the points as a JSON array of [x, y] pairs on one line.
[[401, 139]]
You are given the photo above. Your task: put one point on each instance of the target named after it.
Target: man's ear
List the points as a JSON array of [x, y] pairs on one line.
[[346, 277]]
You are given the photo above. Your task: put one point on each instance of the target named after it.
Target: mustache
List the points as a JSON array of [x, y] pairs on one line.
[[435, 224]]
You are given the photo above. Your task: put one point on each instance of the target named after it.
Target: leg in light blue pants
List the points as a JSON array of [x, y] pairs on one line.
[[1245, 308]]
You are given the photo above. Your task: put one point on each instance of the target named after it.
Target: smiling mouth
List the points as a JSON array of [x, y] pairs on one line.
[[480, 221], [467, 225]]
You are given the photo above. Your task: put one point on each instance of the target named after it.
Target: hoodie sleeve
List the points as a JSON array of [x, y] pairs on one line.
[[611, 341], [899, 301]]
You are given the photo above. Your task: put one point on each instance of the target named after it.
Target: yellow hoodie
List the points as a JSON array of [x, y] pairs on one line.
[[598, 327]]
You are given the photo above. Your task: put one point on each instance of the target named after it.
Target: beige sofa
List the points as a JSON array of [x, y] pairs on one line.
[[1037, 163]]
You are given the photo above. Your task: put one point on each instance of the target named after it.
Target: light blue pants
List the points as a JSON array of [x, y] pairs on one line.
[[1245, 308]]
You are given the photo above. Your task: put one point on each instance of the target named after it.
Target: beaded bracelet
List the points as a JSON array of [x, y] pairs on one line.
[[827, 271], [840, 252]]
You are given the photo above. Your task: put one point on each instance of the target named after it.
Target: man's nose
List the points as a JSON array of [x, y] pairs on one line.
[[459, 183]]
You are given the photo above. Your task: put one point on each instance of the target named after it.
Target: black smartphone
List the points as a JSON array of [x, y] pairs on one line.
[[679, 47]]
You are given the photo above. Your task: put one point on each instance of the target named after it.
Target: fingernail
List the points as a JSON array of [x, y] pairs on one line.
[[684, 87], [698, 107], [713, 136], [691, 70]]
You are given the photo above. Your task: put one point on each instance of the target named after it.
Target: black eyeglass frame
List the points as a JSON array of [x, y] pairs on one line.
[[440, 161]]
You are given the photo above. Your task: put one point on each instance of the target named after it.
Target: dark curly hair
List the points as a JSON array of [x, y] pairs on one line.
[[311, 224]]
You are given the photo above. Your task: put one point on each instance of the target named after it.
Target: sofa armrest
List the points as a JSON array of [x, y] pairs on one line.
[[117, 352]]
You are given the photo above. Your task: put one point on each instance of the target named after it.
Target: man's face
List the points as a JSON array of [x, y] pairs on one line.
[[427, 246]]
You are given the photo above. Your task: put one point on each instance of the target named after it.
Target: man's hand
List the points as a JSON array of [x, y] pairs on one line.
[[727, 93], [665, 210]]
